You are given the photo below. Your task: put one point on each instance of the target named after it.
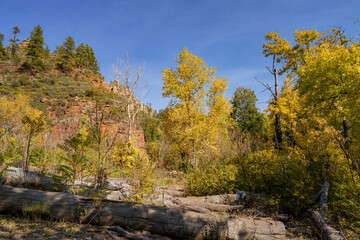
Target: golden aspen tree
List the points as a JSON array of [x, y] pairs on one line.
[[330, 81], [294, 57], [322, 112], [198, 114]]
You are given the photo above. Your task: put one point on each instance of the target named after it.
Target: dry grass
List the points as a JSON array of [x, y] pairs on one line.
[[24, 228], [301, 230]]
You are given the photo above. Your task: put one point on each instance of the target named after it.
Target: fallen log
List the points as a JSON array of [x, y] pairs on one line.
[[17, 176], [118, 188], [202, 203], [172, 222], [327, 231]]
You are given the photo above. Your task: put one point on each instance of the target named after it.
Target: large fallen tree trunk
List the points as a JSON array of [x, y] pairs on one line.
[[326, 231], [18, 176], [171, 222]]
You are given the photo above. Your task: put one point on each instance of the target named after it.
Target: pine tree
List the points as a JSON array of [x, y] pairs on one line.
[[3, 55], [35, 51], [66, 55], [86, 57], [14, 40], [92, 61], [80, 56]]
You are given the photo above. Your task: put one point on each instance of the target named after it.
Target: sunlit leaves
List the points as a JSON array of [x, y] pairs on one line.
[[197, 116]]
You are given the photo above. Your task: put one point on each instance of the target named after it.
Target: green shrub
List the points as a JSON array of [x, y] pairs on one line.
[[62, 103], [15, 83], [211, 179], [25, 80], [344, 204], [49, 80]]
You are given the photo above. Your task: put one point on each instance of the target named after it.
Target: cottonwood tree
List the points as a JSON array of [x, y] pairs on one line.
[[270, 49], [13, 130], [245, 113], [75, 146], [33, 126], [197, 117], [291, 57], [296, 59], [132, 89], [102, 142]]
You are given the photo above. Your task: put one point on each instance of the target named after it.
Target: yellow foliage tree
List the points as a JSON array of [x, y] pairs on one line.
[[198, 114], [15, 123], [321, 116]]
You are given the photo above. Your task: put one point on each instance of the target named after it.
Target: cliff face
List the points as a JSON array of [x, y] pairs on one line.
[[66, 123], [119, 89]]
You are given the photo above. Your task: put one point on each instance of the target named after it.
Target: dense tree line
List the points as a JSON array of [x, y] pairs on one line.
[[35, 55]]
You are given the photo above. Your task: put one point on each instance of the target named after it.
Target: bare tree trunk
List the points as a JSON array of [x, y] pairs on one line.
[[130, 79], [278, 132], [130, 123], [346, 134], [327, 232], [276, 95], [28, 152], [352, 162]]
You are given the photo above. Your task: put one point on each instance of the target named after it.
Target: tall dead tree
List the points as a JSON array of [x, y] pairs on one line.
[[130, 77], [276, 96]]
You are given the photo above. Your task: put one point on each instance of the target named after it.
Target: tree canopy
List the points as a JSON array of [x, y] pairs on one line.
[[66, 57], [36, 50], [245, 113], [197, 116]]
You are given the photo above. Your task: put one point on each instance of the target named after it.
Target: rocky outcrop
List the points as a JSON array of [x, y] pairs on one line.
[[66, 124], [121, 90]]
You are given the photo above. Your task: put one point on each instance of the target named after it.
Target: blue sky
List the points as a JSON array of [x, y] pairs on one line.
[[226, 34]]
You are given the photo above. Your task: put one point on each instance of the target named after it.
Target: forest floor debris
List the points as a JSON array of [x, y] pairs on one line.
[[12, 227], [19, 228]]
